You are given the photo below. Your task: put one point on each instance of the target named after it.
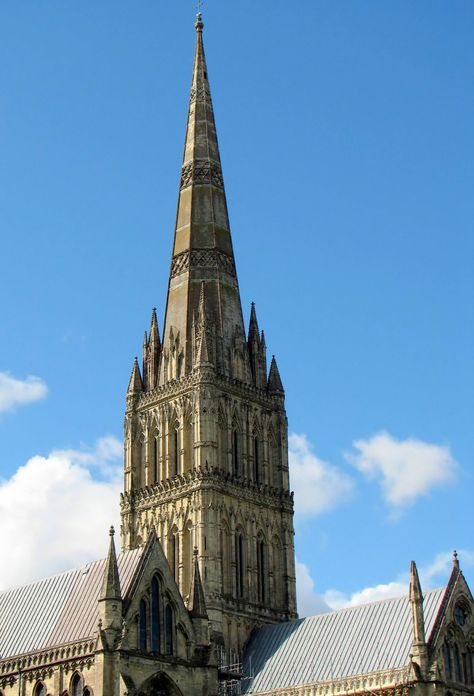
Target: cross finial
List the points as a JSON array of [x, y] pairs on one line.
[[199, 24]]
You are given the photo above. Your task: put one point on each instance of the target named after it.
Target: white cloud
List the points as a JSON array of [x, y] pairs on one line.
[[54, 515], [309, 602], [318, 486], [15, 392], [405, 469], [434, 574]]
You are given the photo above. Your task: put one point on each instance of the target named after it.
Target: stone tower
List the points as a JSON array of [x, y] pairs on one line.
[[206, 459]]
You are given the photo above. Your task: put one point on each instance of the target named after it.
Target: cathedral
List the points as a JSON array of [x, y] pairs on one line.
[[201, 600]]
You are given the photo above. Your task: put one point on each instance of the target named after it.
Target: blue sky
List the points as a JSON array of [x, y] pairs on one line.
[[347, 146]]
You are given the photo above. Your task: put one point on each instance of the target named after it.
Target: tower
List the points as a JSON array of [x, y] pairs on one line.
[[206, 458]]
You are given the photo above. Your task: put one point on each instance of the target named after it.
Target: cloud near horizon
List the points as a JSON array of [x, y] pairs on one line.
[[405, 469], [17, 392], [55, 512], [318, 486], [434, 574]]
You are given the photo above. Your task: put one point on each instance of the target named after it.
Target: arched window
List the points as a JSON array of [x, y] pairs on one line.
[[169, 630], [187, 559], [448, 665], [87, 692], [277, 573], [225, 555], [235, 453], [261, 570], [155, 615], [176, 451], [239, 564], [76, 685], [142, 625], [173, 552], [457, 664], [155, 456], [256, 460], [40, 689]]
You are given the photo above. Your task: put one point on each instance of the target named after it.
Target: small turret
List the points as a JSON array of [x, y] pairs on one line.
[[197, 602], [153, 353], [135, 385], [419, 649], [274, 385], [257, 351], [110, 598]]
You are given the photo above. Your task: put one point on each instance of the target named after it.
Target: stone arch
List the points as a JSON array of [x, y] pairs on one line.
[[159, 685], [262, 567], [226, 557]]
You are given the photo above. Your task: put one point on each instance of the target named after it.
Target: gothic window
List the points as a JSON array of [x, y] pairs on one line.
[[40, 689], [155, 456], [466, 665], [448, 665], [155, 615], [235, 453], [277, 574], [460, 615], [222, 446], [225, 555], [76, 686], [187, 445], [256, 460], [142, 625], [261, 570], [173, 552], [239, 564], [457, 664], [175, 451], [169, 630], [87, 692], [187, 556]]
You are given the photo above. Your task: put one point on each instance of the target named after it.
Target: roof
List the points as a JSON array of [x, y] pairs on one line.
[[60, 609], [357, 640]]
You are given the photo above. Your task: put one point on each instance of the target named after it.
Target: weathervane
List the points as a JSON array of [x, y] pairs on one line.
[[199, 6]]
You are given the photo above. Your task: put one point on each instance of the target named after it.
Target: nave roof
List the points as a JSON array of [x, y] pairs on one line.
[[59, 609], [356, 640]]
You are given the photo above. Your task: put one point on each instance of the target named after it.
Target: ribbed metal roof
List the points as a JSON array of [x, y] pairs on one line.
[[357, 640], [59, 609]]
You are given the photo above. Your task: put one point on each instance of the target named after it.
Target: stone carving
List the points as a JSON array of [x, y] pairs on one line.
[[201, 172], [201, 94], [202, 258]]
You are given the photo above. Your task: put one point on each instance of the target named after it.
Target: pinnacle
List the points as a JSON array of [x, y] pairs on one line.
[[111, 581]]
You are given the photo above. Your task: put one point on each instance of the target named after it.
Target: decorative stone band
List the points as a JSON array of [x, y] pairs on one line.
[[201, 172], [200, 94], [202, 258]]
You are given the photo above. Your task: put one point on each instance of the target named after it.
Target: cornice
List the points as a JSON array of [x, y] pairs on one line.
[[209, 479]]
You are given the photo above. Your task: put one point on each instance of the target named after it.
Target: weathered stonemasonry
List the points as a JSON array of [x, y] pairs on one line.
[[206, 444]]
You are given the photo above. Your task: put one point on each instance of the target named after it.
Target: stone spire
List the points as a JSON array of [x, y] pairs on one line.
[[197, 602], [111, 581], [419, 647], [275, 385], [202, 249], [135, 386]]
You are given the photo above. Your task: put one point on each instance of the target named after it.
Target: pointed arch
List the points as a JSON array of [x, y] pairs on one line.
[[187, 559], [262, 568], [142, 637], [277, 572], [173, 551], [226, 574], [159, 685], [170, 628], [40, 689], [222, 443], [240, 562], [155, 614]]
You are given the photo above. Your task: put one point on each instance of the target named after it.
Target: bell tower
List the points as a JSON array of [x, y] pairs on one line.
[[206, 457]]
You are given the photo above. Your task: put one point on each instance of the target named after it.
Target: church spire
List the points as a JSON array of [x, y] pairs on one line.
[[202, 248]]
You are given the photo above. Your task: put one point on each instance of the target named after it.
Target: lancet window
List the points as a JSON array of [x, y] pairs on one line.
[[235, 453], [261, 569], [155, 615], [257, 473], [40, 689], [169, 630], [239, 564], [173, 552], [76, 685], [142, 625]]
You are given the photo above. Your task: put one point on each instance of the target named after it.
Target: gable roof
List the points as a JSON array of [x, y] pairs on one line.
[[357, 640], [60, 609]]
